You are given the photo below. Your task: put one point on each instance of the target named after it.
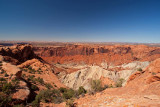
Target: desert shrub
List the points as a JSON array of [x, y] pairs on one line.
[[48, 85], [70, 103], [23, 75], [30, 68], [39, 71], [105, 87], [153, 73], [40, 80], [25, 70], [44, 96], [34, 87], [6, 75], [62, 90], [3, 71], [139, 69], [35, 103], [96, 85], [47, 96], [81, 90], [5, 100], [15, 82], [31, 78], [119, 82], [2, 79], [18, 105], [8, 88], [69, 94]]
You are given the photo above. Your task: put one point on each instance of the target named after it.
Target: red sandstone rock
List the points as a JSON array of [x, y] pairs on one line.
[[88, 54], [17, 54]]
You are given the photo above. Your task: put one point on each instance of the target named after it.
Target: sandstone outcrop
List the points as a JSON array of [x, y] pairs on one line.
[[11, 70], [18, 53], [47, 71], [22, 92]]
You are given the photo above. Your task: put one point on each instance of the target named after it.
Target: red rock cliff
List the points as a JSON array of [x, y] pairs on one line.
[[114, 54]]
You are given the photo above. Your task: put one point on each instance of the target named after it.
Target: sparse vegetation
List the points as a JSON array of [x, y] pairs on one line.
[[81, 90], [6, 75], [5, 100], [70, 103], [48, 85], [139, 69], [119, 82], [0, 63], [53, 96], [3, 71], [40, 80], [69, 94], [34, 87], [96, 85], [153, 73]]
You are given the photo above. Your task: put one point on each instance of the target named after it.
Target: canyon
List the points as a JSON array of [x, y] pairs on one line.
[[75, 65]]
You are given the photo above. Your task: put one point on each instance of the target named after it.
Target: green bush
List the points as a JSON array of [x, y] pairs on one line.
[[2, 79], [69, 94], [139, 69], [48, 85], [15, 82], [40, 80], [7, 88], [62, 90], [52, 96], [5, 100], [153, 73], [2, 71], [6, 75], [23, 75], [96, 85], [31, 78], [35, 103], [81, 90], [34, 87]]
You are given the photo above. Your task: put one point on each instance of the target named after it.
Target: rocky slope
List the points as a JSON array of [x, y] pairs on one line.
[[23, 75], [85, 74], [141, 90]]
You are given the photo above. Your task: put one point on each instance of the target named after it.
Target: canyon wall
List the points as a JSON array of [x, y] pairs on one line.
[[96, 54]]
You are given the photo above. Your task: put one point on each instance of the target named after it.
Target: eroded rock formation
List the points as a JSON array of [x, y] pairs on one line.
[[17, 54], [96, 54]]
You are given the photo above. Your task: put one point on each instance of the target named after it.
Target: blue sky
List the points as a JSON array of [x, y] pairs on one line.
[[80, 20]]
